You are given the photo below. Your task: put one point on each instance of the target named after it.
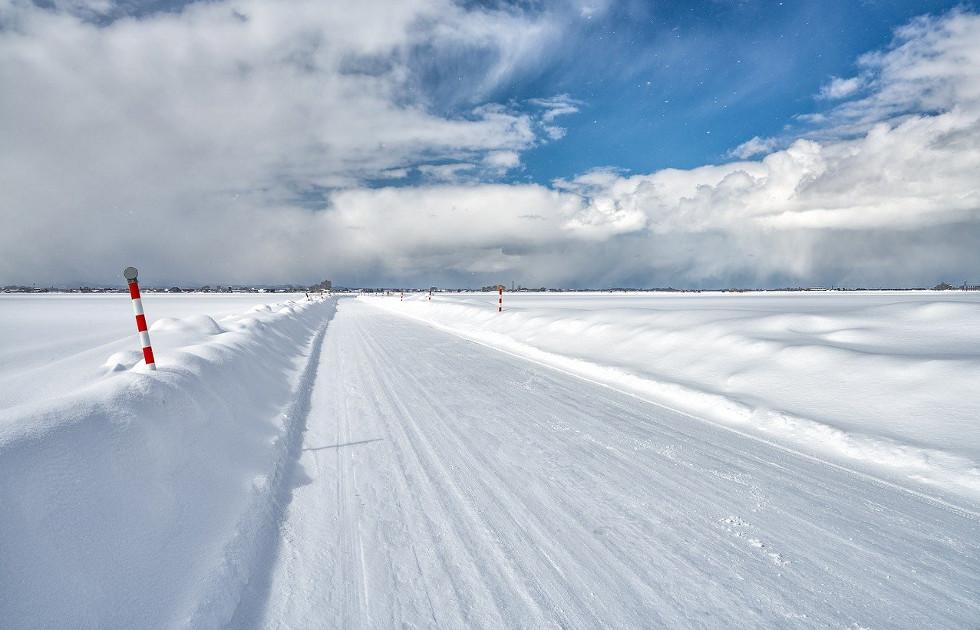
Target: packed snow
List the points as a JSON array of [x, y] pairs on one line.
[[695, 460], [882, 380]]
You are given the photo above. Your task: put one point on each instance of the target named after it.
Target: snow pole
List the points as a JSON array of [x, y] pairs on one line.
[[134, 292], [500, 300]]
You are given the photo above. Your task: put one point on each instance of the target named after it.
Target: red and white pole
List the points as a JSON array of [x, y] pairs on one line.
[[134, 292], [500, 300]]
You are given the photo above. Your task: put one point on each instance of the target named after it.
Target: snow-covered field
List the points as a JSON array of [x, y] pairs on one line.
[[335, 464], [885, 381], [52, 344]]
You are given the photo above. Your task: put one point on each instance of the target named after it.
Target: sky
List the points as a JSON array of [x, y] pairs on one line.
[[575, 143]]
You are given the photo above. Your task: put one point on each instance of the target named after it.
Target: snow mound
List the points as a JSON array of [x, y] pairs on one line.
[[144, 499], [196, 323], [124, 360]]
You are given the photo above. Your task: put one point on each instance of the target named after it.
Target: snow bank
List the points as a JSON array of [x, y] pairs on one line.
[[52, 344], [142, 499], [884, 382]]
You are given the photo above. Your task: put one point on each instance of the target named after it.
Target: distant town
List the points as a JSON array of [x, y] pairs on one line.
[[327, 286]]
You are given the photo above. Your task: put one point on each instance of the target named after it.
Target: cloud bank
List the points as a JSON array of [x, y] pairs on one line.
[[291, 142]]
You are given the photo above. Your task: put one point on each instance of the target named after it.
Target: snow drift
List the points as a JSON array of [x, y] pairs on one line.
[[146, 497], [883, 382]]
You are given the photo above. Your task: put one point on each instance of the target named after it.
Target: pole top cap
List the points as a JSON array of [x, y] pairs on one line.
[[130, 273]]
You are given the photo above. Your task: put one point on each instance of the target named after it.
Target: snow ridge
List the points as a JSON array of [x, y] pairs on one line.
[[249, 555], [874, 383], [150, 499]]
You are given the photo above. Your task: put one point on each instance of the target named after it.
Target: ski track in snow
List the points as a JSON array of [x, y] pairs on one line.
[[444, 484]]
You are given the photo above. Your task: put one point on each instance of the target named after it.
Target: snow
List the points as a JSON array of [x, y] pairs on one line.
[[52, 344], [765, 460], [884, 381], [445, 484], [137, 496]]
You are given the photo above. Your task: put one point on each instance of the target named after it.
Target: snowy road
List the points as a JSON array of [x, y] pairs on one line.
[[444, 484]]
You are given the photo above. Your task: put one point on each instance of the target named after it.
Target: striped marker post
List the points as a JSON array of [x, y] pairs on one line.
[[500, 300], [134, 292]]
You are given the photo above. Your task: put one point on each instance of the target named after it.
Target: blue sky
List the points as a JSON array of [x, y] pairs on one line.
[[583, 143], [681, 84]]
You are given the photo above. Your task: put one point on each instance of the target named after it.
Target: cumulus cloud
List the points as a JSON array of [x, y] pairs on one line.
[[889, 196], [886, 195], [236, 143]]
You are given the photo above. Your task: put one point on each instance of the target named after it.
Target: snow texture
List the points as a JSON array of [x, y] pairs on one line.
[[328, 463], [140, 498], [884, 381]]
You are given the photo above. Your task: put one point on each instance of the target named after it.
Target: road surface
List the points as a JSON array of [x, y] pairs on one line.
[[445, 484]]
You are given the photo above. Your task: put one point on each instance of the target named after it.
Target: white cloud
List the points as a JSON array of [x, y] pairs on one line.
[[271, 98], [395, 173], [841, 88], [932, 67], [191, 128], [554, 133], [560, 105], [553, 107], [896, 201], [592, 8], [753, 147], [229, 143], [502, 161], [445, 172]]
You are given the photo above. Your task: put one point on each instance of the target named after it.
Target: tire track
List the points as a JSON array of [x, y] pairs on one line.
[[578, 506]]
